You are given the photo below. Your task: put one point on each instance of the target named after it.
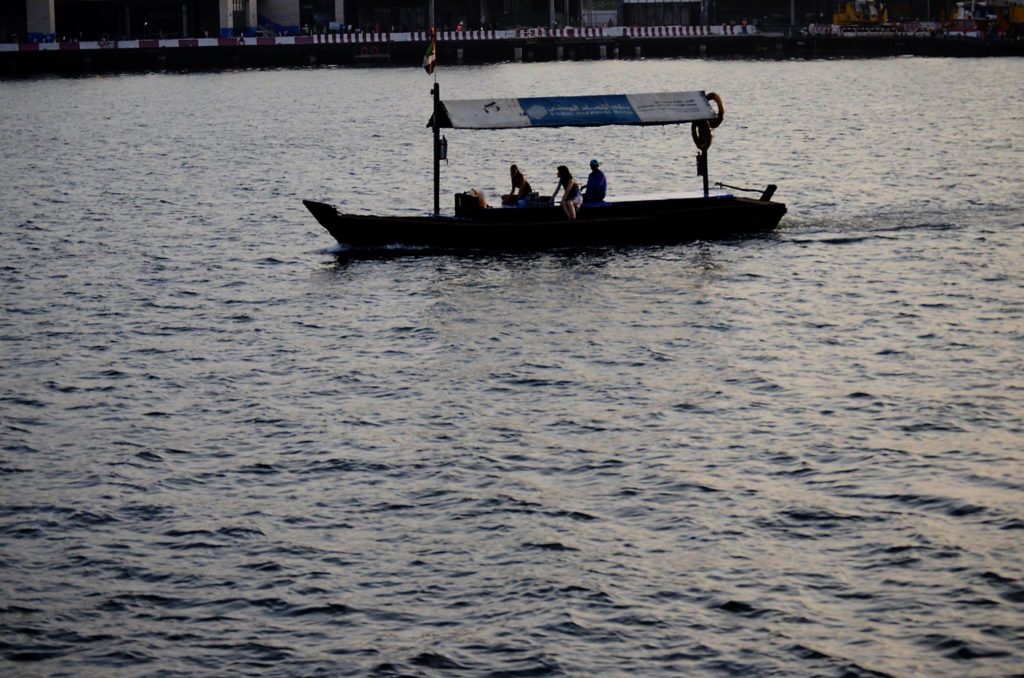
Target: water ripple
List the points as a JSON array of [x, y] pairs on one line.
[[231, 447]]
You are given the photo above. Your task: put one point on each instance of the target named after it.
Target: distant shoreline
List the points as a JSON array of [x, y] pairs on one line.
[[383, 50]]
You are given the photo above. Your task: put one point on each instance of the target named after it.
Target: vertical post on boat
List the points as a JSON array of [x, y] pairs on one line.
[[437, 149], [702, 168]]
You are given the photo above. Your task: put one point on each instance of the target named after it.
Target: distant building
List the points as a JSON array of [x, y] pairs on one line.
[[469, 14], [660, 12], [764, 12], [803, 12], [36, 20]]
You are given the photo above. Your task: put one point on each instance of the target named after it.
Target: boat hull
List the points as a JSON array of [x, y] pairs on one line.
[[649, 222]]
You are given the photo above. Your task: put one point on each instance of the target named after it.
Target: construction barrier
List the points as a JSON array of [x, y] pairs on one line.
[[569, 33]]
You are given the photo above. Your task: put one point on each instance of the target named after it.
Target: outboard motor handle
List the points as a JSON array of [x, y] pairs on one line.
[[768, 192]]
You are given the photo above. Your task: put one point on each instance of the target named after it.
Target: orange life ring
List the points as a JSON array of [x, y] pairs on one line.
[[701, 131], [374, 50], [721, 109], [363, 51]]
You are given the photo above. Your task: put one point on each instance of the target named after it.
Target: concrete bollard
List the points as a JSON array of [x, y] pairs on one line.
[[518, 54], [558, 53], [638, 52], [458, 56], [602, 51], [615, 52]]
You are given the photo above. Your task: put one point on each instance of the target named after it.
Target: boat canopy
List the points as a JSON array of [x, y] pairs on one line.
[[658, 108]]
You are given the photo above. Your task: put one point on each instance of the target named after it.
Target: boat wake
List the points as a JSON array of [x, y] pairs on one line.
[[336, 248], [894, 221]]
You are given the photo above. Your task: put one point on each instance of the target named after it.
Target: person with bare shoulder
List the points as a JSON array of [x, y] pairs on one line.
[[571, 197], [520, 187]]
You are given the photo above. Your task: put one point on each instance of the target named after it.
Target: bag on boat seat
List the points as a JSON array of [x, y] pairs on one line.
[[535, 199]]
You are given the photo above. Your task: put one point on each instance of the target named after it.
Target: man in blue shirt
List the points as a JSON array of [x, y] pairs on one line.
[[597, 185]]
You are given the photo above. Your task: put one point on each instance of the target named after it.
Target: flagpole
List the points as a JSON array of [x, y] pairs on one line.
[[437, 147], [432, 50], [433, 35]]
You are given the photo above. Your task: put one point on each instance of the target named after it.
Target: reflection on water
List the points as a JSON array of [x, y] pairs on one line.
[[794, 454]]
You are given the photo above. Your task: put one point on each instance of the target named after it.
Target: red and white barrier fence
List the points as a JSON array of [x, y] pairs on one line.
[[570, 33], [911, 28], [353, 38], [452, 36], [686, 31]]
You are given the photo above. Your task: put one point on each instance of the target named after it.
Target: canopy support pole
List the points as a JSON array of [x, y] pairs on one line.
[[705, 174], [702, 168], [437, 148]]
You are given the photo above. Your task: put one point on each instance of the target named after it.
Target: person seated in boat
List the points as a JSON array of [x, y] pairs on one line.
[[480, 198], [597, 184], [571, 196], [520, 187]]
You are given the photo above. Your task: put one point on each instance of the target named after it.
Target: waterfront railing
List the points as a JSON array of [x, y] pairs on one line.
[[518, 34]]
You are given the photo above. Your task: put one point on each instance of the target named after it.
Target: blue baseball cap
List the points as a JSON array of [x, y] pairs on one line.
[[594, 163]]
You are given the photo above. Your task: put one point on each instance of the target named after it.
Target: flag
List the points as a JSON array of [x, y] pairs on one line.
[[430, 58]]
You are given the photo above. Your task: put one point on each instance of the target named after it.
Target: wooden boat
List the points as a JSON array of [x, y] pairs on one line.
[[539, 224]]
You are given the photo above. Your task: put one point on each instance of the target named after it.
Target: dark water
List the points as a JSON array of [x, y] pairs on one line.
[[228, 450]]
